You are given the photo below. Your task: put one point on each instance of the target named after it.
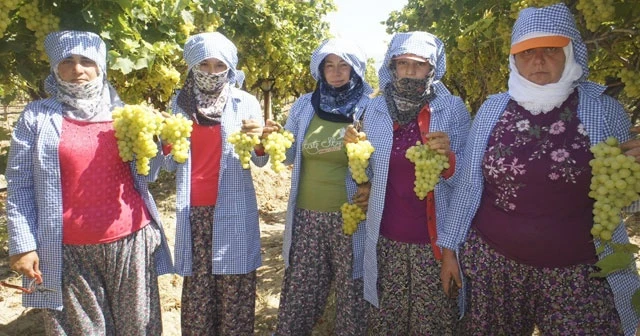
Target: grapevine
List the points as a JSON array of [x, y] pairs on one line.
[[135, 127], [615, 184], [351, 216], [596, 12], [243, 144], [276, 144], [41, 23], [6, 6], [359, 154], [429, 164], [176, 129]]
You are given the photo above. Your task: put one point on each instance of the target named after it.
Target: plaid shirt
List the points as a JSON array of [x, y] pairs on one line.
[[449, 115], [236, 234], [297, 123], [34, 200], [602, 116]]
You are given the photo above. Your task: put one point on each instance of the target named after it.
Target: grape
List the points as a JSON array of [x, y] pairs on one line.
[[429, 164], [243, 144], [351, 216], [135, 127], [276, 145], [359, 154], [176, 129], [41, 23], [615, 184]]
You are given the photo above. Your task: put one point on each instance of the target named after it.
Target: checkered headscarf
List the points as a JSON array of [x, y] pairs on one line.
[[553, 20], [418, 43], [213, 45], [345, 49]]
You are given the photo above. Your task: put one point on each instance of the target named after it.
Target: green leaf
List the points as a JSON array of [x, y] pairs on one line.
[[125, 65], [625, 248], [614, 262]]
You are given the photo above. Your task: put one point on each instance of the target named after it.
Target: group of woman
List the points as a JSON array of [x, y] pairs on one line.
[[505, 232]]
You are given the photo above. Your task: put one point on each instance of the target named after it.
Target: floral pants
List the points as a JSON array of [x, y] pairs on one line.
[[320, 254], [509, 298], [214, 304], [412, 301], [110, 289]]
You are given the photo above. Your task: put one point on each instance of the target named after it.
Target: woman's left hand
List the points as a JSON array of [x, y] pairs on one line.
[[439, 142], [251, 127], [632, 147], [361, 197]]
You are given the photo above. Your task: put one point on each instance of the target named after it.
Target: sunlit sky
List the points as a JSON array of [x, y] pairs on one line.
[[361, 21]]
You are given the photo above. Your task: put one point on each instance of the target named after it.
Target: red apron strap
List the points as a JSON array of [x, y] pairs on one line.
[[423, 122]]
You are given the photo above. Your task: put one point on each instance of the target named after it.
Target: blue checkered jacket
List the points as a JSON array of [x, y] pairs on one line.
[[297, 123], [449, 115], [236, 234], [34, 200], [602, 116]]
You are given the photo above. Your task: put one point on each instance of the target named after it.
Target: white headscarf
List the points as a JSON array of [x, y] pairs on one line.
[[544, 98]]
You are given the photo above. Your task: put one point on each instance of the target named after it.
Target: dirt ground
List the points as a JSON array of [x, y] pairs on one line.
[[272, 190]]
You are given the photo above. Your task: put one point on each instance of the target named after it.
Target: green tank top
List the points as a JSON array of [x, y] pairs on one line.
[[324, 167]]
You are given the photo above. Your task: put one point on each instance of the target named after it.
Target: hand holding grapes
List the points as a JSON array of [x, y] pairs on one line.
[[351, 135], [361, 197], [270, 127], [632, 147], [439, 142]]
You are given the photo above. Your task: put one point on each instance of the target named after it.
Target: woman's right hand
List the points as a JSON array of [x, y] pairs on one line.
[[632, 147], [28, 264], [270, 127], [450, 274], [351, 135]]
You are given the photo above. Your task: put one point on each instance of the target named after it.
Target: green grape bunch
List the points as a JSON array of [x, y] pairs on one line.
[[358, 154], [176, 130], [429, 165], [276, 145], [615, 184], [135, 127], [351, 216], [243, 144]]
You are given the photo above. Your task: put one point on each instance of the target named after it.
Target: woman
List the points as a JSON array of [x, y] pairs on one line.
[[81, 221], [402, 267], [217, 234], [316, 251], [521, 199]]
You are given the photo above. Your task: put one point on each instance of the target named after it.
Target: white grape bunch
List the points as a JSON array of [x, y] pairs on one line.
[[175, 131], [135, 127], [429, 165], [243, 144], [351, 216], [276, 145], [615, 184], [358, 154]]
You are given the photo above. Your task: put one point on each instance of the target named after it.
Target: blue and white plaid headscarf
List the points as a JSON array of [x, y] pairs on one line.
[[89, 101], [336, 104], [418, 43], [552, 20], [345, 49], [555, 20], [213, 45]]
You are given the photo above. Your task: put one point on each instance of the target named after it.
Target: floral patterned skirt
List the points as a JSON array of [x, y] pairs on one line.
[[110, 289], [320, 254], [412, 301], [214, 304], [509, 298]]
